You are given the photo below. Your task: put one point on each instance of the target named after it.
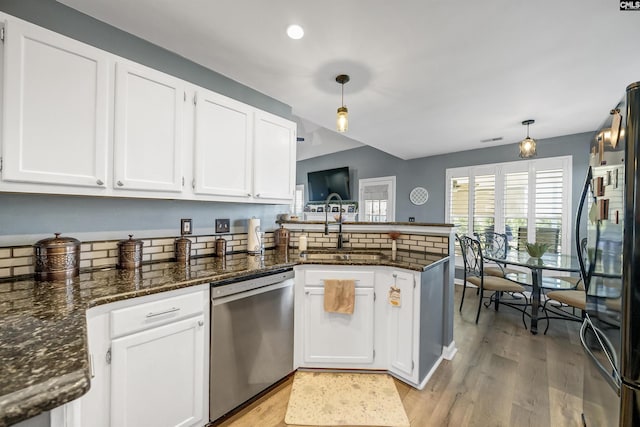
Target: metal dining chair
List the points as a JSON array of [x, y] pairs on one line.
[[473, 273], [497, 245], [559, 301]]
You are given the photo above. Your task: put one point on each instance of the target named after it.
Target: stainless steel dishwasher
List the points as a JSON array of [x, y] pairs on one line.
[[251, 338]]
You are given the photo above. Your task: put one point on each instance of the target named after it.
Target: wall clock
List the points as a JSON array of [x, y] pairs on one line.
[[419, 196]]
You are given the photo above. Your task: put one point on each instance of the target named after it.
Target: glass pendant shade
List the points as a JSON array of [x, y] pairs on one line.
[[342, 121], [528, 148]]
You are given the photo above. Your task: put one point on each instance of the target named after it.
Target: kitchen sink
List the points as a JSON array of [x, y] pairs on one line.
[[342, 256]]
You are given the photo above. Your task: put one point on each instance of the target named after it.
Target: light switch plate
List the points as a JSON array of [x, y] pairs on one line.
[[222, 225]]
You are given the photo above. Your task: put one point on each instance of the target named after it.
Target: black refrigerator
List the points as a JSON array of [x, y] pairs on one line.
[[609, 211]]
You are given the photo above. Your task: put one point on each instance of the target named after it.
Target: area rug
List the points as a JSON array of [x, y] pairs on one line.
[[344, 399]]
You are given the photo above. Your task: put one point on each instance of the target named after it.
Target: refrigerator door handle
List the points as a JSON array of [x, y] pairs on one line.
[[612, 376]]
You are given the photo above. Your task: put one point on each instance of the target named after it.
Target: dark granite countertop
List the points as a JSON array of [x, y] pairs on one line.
[[43, 336]]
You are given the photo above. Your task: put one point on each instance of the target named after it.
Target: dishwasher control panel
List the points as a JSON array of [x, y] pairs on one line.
[[226, 288]]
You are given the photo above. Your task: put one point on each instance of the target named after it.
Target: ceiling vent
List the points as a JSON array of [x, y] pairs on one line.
[[496, 139]]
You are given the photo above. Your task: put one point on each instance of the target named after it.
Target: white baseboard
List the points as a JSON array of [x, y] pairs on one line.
[[449, 352], [426, 379]]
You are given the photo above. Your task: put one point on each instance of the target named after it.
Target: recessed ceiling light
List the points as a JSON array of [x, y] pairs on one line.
[[295, 31]]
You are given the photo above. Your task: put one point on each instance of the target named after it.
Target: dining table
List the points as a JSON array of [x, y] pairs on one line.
[[537, 265]]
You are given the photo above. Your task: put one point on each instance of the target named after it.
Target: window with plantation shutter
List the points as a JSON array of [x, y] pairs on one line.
[[549, 203], [516, 204], [459, 204], [484, 202], [528, 200]]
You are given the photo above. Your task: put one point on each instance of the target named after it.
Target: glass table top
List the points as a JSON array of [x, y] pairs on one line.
[[548, 261]]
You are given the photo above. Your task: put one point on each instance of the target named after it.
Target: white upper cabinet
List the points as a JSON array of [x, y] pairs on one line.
[[149, 109], [55, 114], [79, 120], [223, 146], [274, 158]]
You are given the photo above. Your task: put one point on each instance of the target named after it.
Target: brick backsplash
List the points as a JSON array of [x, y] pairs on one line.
[[413, 242], [18, 260]]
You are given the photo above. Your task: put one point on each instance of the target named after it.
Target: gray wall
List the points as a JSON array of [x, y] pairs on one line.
[[364, 162], [429, 172], [33, 214]]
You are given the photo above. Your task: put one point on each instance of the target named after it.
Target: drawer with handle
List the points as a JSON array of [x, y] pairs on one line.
[[146, 315]]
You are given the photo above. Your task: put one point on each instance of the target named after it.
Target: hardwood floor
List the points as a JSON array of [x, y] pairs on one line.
[[501, 376]]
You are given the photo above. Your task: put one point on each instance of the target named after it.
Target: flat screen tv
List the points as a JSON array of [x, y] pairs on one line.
[[323, 183]]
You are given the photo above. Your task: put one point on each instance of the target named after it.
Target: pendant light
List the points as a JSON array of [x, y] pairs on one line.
[[342, 121], [528, 145]]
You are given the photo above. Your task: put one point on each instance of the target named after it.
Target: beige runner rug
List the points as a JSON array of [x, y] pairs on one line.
[[344, 399]]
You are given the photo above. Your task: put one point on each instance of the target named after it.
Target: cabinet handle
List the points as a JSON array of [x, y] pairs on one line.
[[249, 194], [120, 184], [92, 366], [258, 195], [99, 182], [200, 323], [160, 313]]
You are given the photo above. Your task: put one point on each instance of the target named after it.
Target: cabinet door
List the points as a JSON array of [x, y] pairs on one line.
[[223, 144], [343, 339], [55, 109], [401, 339], [149, 109], [157, 376], [274, 158]]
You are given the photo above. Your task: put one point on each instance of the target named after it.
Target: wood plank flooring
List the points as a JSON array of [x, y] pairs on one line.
[[501, 376]]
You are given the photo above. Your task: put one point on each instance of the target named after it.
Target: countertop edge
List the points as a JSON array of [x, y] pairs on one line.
[[33, 400]]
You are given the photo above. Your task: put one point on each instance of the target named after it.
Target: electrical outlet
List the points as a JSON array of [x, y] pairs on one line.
[[222, 225], [412, 219]]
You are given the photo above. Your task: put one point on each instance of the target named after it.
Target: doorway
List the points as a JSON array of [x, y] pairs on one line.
[[377, 199]]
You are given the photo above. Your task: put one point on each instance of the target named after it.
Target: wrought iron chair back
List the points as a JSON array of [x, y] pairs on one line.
[[471, 255], [473, 273], [494, 244]]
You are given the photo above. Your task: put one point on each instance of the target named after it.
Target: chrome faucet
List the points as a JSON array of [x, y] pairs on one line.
[[326, 217]]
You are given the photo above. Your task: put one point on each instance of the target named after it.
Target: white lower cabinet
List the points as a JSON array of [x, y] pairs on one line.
[[402, 335], [157, 376], [345, 339], [149, 361], [402, 323]]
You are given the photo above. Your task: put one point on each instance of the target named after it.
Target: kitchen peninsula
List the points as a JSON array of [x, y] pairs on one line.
[[43, 327]]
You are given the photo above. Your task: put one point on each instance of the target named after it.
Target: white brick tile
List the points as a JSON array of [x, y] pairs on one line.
[[102, 262], [19, 271], [20, 252], [104, 246], [15, 262], [94, 255], [162, 242], [161, 256]]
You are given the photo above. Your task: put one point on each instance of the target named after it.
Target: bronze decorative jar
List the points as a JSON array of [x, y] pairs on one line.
[[57, 258]]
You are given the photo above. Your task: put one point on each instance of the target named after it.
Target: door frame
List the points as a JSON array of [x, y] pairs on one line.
[[391, 206]]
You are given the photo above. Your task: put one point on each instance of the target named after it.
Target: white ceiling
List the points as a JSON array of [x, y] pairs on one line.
[[427, 76]]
